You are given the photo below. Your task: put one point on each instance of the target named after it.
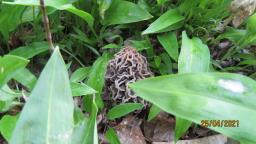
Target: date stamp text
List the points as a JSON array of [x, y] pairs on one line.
[[220, 123]]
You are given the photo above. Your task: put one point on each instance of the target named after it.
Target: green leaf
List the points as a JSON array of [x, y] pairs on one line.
[[170, 20], [48, 114], [112, 137], [30, 50], [187, 5], [205, 96], [9, 65], [122, 110], [153, 112], [10, 18], [103, 6], [141, 45], [7, 105], [250, 26], [232, 34], [166, 67], [80, 74], [86, 132], [97, 77], [194, 55], [84, 15], [58, 4], [161, 2], [248, 62], [121, 12], [79, 131], [55, 4], [26, 78], [81, 36], [7, 125], [170, 44], [111, 46], [79, 116], [80, 89], [7, 98], [181, 127], [7, 94]]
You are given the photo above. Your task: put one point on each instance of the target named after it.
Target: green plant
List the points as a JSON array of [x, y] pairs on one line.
[[191, 47]]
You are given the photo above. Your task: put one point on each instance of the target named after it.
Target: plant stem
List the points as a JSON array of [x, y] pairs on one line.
[[46, 25]]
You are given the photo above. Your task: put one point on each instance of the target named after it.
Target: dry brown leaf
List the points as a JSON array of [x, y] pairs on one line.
[[216, 139], [161, 129], [129, 131], [241, 9]]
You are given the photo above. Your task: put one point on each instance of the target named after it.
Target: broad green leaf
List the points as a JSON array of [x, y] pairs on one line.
[[80, 89], [121, 12], [81, 36], [251, 22], [161, 2], [248, 62], [194, 55], [111, 46], [153, 112], [181, 127], [58, 4], [7, 98], [112, 137], [7, 94], [232, 34], [103, 6], [10, 18], [84, 15], [7, 105], [79, 116], [250, 37], [91, 134], [97, 77], [80, 74], [86, 132], [167, 66], [122, 110], [26, 78], [170, 44], [30, 50], [47, 116], [170, 20], [157, 60], [9, 65], [205, 96], [7, 125], [141, 45], [79, 131], [187, 5]]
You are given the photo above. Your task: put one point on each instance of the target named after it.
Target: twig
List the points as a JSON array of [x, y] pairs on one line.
[[46, 25]]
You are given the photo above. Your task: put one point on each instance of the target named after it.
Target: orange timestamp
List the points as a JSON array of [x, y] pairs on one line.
[[220, 123]]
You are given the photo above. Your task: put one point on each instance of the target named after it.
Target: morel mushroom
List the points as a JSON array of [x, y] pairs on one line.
[[127, 67]]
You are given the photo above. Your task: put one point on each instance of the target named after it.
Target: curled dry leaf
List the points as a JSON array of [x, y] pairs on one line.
[[241, 9], [160, 129], [129, 131], [127, 67]]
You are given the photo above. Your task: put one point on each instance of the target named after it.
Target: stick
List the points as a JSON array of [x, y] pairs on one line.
[[46, 25]]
